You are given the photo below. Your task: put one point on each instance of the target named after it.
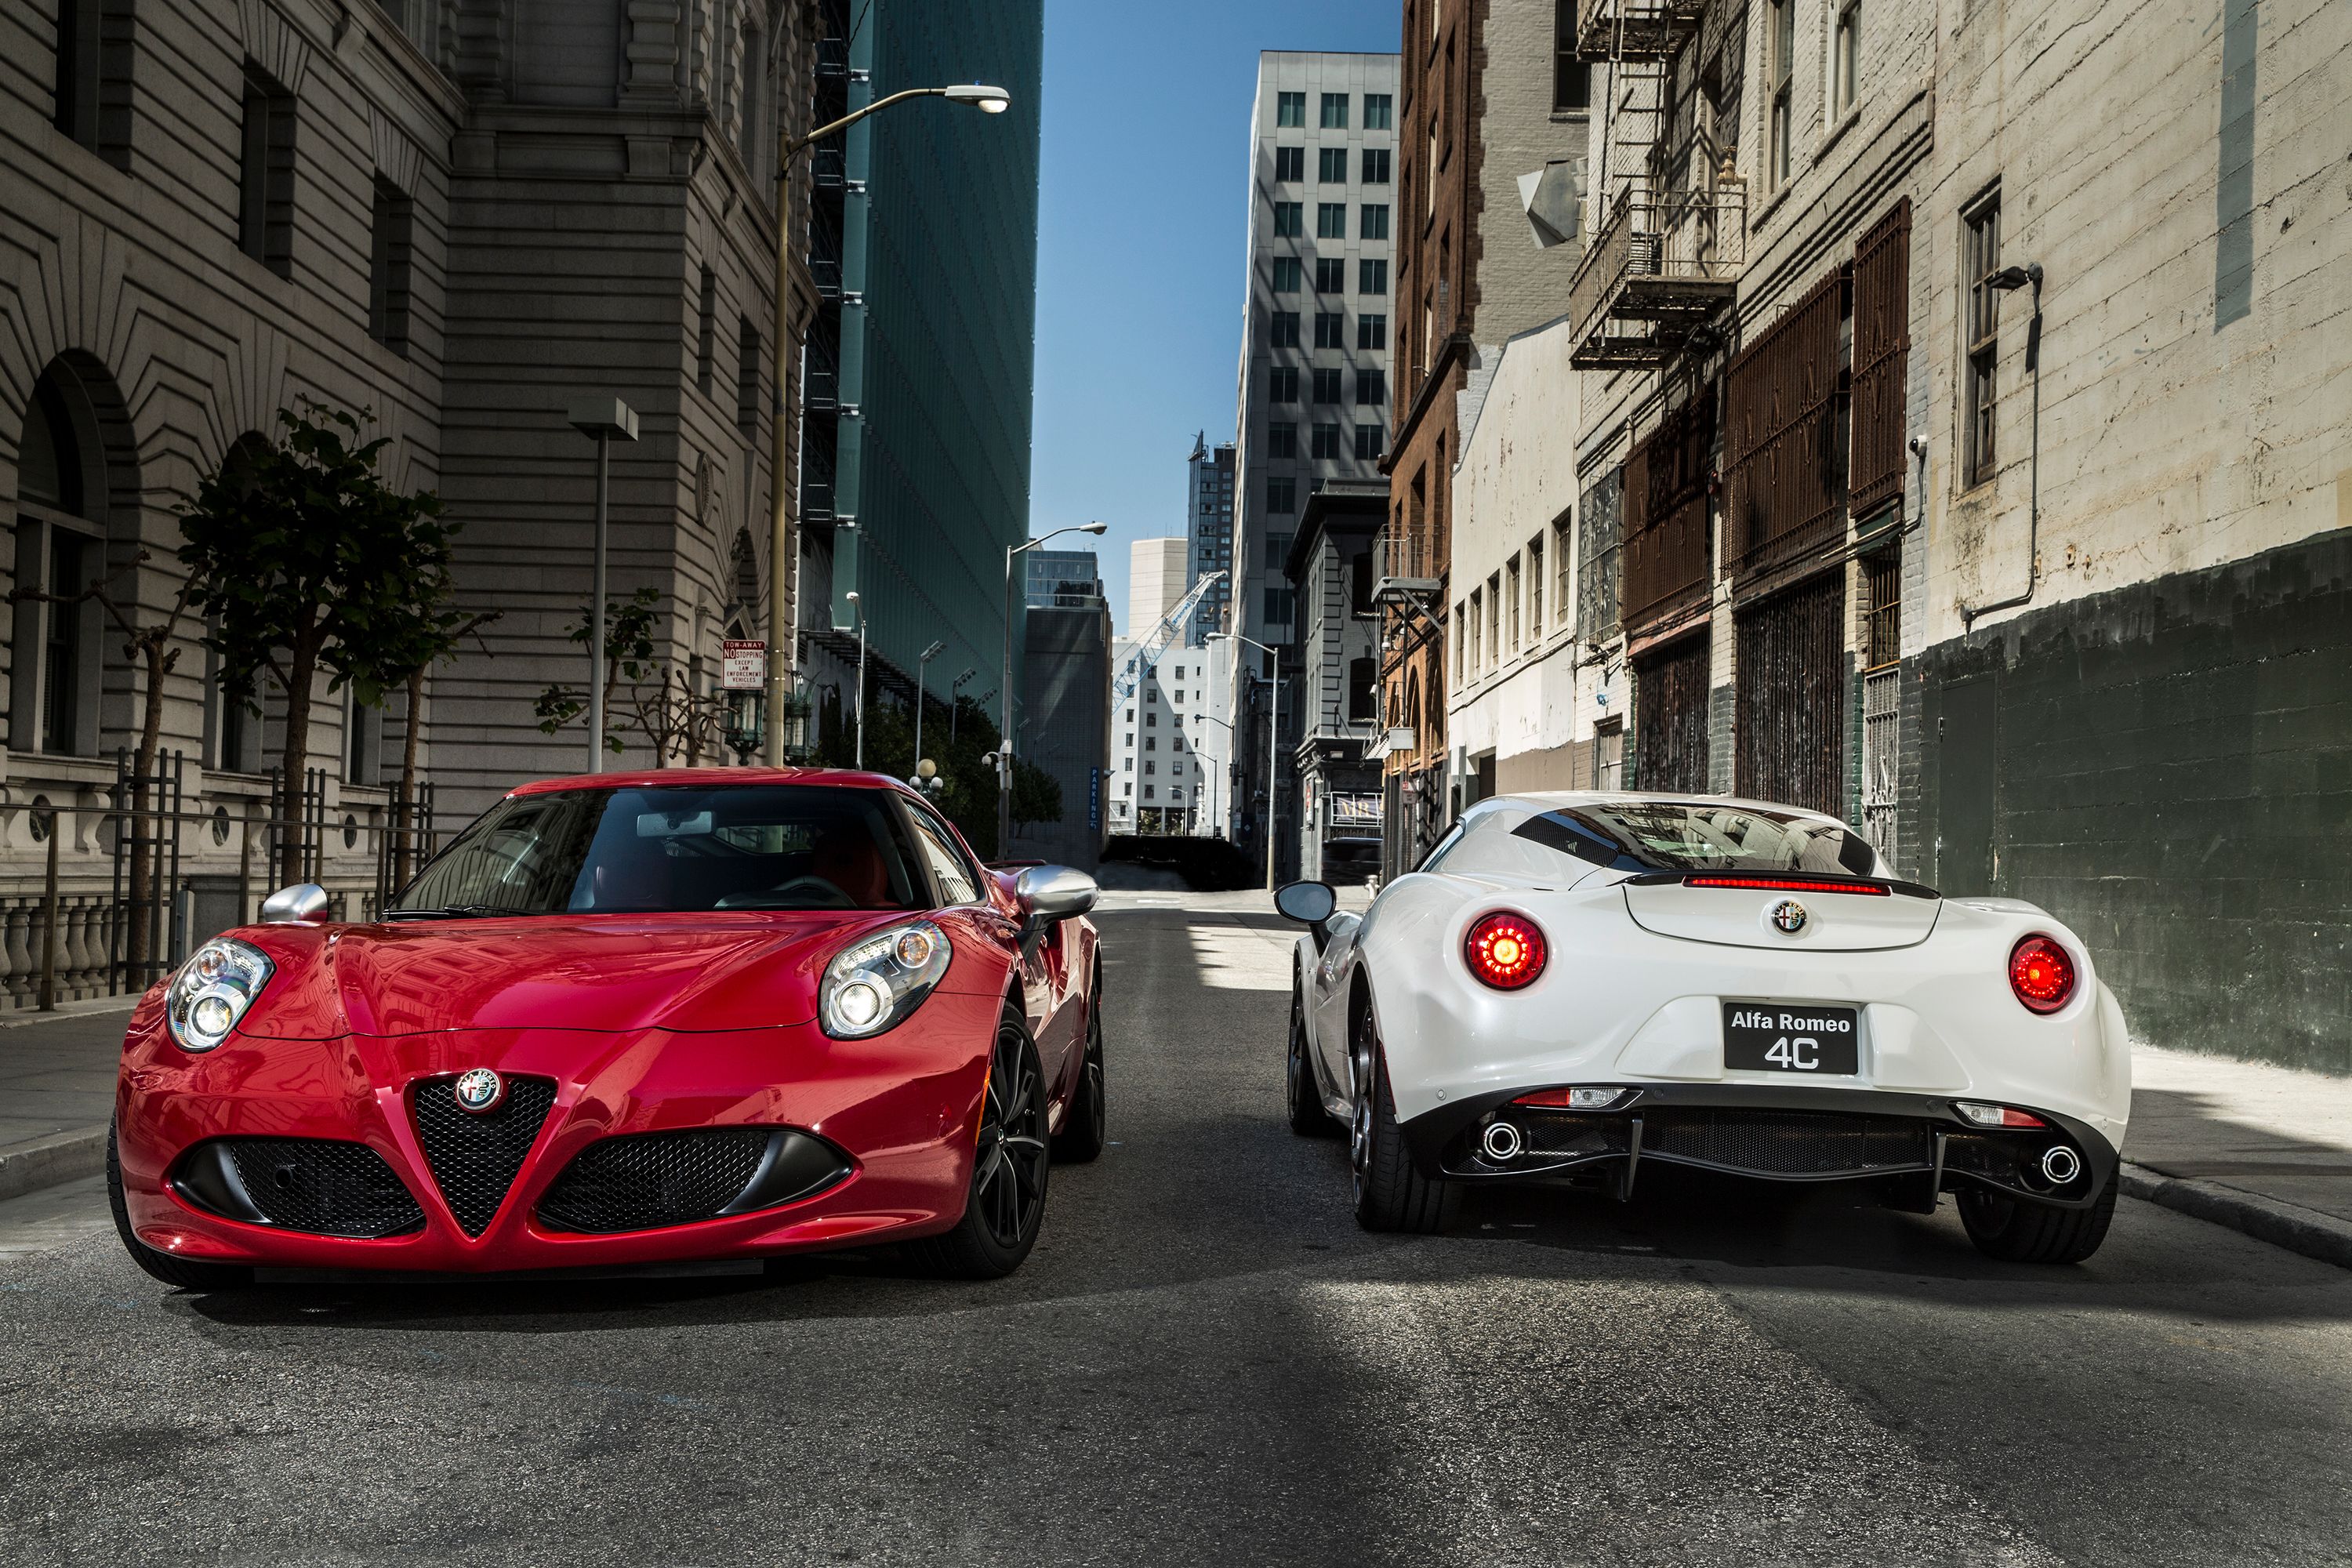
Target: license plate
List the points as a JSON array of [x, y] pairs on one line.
[[1797, 1037]]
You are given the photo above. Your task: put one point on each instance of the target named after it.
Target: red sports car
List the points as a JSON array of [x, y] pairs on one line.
[[626, 1022]]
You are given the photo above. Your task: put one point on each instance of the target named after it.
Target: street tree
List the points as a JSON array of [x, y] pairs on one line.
[[643, 691], [307, 561]]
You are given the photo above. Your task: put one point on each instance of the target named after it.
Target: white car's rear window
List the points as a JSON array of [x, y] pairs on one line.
[[1700, 836]]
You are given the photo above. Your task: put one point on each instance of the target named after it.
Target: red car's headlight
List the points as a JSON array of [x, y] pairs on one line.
[[2042, 974], [213, 990], [873, 983], [1505, 949]]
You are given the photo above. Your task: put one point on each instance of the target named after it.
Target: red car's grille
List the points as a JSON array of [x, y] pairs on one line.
[[475, 1158], [321, 1186], [654, 1179]]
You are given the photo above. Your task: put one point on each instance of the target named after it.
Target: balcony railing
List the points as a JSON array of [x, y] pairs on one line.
[[1663, 263], [1634, 29]]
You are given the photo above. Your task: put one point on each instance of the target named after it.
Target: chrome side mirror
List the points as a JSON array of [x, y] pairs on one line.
[[1051, 893], [1308, 903], [303, 904]]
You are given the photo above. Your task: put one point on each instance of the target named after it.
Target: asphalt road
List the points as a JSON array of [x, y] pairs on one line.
[[1206, 1361]]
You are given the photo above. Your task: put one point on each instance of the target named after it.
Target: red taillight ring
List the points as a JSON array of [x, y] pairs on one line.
[[1505, 949], [2042, 974]]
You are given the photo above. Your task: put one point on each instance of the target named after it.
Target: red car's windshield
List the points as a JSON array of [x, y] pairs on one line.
[[769, 847]]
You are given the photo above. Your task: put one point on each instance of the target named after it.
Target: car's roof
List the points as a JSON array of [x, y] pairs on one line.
[[1555, 800], [709, 778]]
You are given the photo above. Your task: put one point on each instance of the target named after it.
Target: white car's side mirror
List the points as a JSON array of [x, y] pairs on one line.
[[1308, 903], [303, 904]]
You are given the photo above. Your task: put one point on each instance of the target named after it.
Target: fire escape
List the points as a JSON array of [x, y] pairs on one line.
[[1672, 230]]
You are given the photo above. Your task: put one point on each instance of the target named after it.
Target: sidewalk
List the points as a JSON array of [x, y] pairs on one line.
[[57, 1092]]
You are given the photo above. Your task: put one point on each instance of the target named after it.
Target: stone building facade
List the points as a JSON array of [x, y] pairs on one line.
[[460, 219], [1330, 570]]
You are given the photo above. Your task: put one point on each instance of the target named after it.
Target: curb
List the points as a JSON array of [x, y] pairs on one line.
[[46, 1162], [2282, 1223]]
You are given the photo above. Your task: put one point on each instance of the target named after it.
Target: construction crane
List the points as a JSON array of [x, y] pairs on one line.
[[1147, 652]]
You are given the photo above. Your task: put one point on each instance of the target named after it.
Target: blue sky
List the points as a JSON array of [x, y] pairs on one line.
[[1144, 216]]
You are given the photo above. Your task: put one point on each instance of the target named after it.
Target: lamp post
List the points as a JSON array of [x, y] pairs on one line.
[[605, 420], [858, 609], [922, 663], [1210, 816], [782, 621], [1005, 745], [1272, 743]]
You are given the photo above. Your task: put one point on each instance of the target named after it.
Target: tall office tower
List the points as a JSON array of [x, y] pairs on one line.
[[1156, 582], [923, 246], [1314, 354], [1209, 525]]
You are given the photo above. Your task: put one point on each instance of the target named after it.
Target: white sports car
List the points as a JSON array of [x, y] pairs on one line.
[[1580, 985]]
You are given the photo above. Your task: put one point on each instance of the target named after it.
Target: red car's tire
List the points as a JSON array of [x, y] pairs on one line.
[[1006, 1204], [2017, 1230], [184, 1273], [1086, 1129]]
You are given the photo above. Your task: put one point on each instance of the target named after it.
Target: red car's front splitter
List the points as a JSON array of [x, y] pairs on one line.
[[904, 1107]]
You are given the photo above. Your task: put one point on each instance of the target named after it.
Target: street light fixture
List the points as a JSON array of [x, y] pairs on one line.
[[921, 664], [858, 610], [1273, 741], [1004, 746], [782, 550], [605, 420]]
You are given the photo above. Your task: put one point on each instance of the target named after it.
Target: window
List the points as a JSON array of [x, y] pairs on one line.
[[1477, 629], [1331, 166], [1149, 768], [1980, 260], [1460, 640], [1126, 765], [1152, 697], [1128, 790], [1281, 496], [1327, 442], [706, 364], [1289, 164], [1150, 743], [1289, 219], [1371, 277], [1571, 78], [1289, 109], [1330, 220], [1779, 70], [1330, 275], [1335, 111], [1367, 442], [1376, 165], [1846, 56], [264, 226], [1511, 603], [1283, 328], [1282, 384], [1495, 617], [93, 77], [1371, 387], [1330, 330], [1562, 585], [362, 742], [1360, 685], [1326, 387], [959, 881], [1282, 439], [1287, 273], [1378, 110], [1277, 607], [747, 376], [1278, 551], [389, 234], [1146, 792], [1535, 588], [1372, 330], [1375, 221]]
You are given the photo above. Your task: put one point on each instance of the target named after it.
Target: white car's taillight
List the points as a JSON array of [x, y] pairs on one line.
[[213, 991], [873, 983]]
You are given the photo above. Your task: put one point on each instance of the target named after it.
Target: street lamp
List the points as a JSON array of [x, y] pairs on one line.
[[780, 546], [1273, 741], [1210, 816], [1004, 747], [929, 654], [605, 420], [858, 608]]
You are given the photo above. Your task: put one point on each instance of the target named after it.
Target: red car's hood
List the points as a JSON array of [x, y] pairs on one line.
[[608, 973]]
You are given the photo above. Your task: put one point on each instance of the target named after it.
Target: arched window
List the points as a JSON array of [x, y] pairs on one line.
[[60, 553]]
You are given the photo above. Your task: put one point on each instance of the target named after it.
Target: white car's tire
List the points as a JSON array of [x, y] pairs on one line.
[[1390, 1195], [1305, 1097], [2018, 1230]]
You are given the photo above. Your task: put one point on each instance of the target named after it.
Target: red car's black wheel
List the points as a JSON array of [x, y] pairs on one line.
[[1086, 1130], [1007, 1202], [182, 1272]]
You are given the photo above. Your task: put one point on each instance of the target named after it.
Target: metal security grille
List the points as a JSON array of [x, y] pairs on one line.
[[1784, 444], [475, 1158], [1882, 580], [653, 1179], [1790, 719], [323, 1186], [1667, 555], [1670, 717], [1598, 537], [1882, 345]]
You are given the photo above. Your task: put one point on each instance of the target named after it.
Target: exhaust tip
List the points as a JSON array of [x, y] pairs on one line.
[[2061, 1164], [1501, 1141]]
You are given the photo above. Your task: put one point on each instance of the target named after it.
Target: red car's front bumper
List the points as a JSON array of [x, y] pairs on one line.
[[903, 1107]]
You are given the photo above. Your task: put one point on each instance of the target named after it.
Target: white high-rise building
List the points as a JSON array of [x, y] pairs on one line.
[[1171, 746], [1156, 582]]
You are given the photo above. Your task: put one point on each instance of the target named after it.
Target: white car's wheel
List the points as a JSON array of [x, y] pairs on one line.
[[2018, 1230], [1307, 1117], [1390, 1195]]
